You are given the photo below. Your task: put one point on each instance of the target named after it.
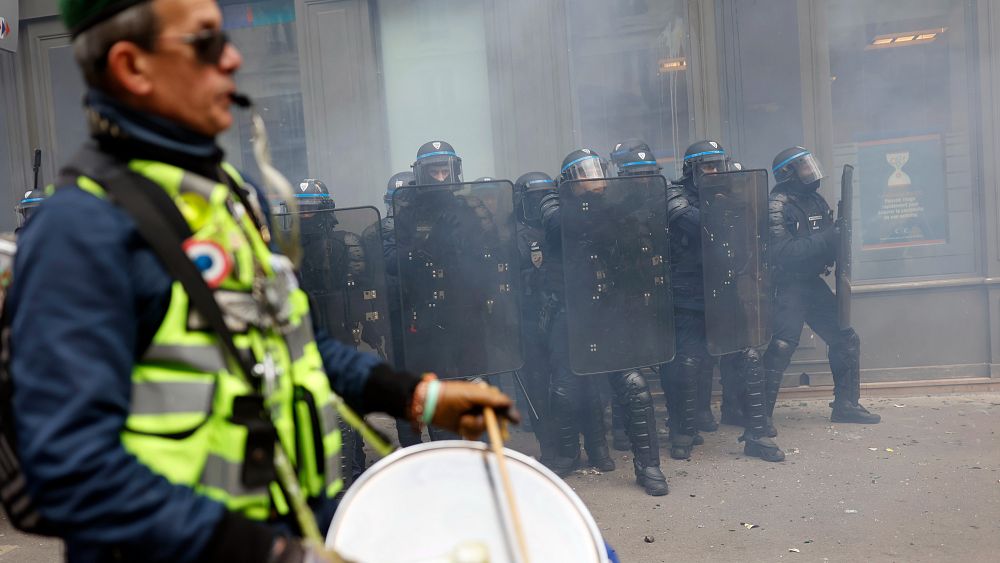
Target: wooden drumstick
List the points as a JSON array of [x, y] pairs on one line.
[[496, 443]]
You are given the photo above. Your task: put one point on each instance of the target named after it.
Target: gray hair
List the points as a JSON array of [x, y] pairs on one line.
[[137, 25]]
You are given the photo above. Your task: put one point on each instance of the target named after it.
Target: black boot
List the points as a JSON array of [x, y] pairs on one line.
[[847, 411], [704, 420], [684, 388], [619, 438], [775, 360], [733, 391], [595, 440], [681, 445], [566, 439], [756, 442], [565, 431], [762, 447], [845, 363], [632, 392]]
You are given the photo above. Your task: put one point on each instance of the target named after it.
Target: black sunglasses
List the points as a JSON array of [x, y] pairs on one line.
[[208, 44]]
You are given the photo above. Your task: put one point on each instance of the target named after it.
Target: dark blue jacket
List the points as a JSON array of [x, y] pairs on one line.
[[88, 296]]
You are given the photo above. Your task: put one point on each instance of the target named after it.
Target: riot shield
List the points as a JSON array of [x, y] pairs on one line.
[[619, 306], [845, 211], [343, 271], [458, 278], [736, 274]]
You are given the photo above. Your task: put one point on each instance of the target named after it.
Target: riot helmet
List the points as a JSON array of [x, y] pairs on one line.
[[312, 198], [797, 163], [634, 158], [584, 164], [528, 192], [28, 205], [398, 180], [700, 159], [437, 163]]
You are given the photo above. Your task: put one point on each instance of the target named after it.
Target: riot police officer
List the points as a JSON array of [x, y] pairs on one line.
[[437, 163], [576, 402], [680, 378], [452, 230], [803, 246], [528, 191], [330, 259], [693, 360], [404, 430]]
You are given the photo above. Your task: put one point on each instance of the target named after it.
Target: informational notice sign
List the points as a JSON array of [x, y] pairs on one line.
[[8, 25], [903, 200]]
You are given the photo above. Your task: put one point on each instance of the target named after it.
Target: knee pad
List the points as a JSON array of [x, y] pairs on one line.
[[779, 354], [686, 370], [637, 389]]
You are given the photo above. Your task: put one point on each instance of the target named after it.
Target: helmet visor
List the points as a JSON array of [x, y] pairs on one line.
[[586, 168], [438, 169], [807, 169], [713, 164]]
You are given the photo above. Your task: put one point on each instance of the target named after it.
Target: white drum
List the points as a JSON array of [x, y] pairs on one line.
[[430, 502]]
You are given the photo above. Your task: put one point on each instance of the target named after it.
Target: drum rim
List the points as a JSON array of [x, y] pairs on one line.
[[401, 453]]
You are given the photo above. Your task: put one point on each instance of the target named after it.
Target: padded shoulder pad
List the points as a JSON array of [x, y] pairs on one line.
[[778, 222], [677, 202]]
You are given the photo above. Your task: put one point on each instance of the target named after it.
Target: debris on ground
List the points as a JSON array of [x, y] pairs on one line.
[[649, 539], [794, 550], [748, 525]]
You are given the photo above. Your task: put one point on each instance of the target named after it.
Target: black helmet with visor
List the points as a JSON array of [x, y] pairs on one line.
[[437, 163], [797, 163], [702, 158]]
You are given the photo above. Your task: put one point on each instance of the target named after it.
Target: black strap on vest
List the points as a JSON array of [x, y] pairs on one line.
[[162, 226]]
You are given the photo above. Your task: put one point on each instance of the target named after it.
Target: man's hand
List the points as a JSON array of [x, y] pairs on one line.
[[459, 406], [289, 550]]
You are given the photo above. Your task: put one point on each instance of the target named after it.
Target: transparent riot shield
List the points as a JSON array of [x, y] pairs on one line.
[[619, 307], [343, 271], [458, 278], [845, 210], [737, 278]]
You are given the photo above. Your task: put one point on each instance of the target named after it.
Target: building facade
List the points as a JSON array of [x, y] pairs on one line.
[[906, 91]]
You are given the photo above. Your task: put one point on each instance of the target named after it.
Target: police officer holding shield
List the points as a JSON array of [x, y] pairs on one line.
[[594, 275], [528, 191], [803, 247]]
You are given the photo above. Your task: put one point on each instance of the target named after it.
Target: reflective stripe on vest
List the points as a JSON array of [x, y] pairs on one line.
[[181, 422]]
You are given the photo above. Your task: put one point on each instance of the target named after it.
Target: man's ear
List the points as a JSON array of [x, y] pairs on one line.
[[128, 68]]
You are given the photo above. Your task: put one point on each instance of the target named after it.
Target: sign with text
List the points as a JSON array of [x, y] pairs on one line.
[[902, 192]]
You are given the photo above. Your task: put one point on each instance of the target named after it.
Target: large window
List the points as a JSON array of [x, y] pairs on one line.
[[629, 70], [902, 93], [264, 31], [436, 80]]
